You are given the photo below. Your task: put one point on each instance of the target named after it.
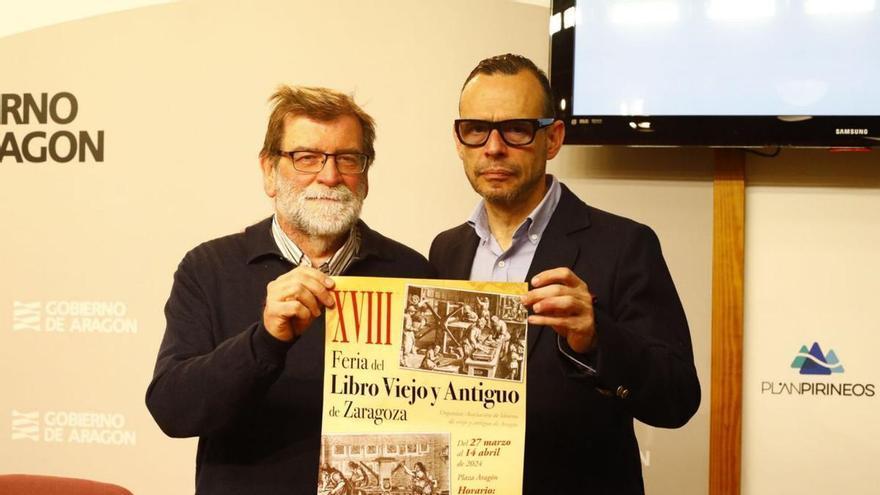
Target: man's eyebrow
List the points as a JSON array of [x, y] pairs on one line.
[[339, 151]]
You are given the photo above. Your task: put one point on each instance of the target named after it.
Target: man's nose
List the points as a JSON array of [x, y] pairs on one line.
[[329, 174], [495, 145]]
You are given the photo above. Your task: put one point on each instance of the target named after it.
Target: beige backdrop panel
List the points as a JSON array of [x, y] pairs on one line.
[[180, 92], [812, 275]]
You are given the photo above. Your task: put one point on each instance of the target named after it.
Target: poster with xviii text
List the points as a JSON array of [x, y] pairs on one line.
[[424, 388]]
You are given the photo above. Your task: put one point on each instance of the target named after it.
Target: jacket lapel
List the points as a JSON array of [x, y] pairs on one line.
[[557, 248], [461, 255]]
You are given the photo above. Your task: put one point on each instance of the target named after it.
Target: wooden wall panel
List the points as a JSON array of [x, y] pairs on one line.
[[727, 323]]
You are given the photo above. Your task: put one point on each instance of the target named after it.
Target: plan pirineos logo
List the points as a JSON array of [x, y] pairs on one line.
[[814, 362]]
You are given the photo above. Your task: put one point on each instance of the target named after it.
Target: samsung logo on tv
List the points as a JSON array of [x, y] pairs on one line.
[[851, 132]]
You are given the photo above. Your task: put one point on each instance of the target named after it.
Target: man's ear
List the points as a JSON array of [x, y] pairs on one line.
[[555, 136], [269, 168]]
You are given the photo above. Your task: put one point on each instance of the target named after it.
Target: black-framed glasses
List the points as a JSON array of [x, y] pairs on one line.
[[514, 132], [312, 162]]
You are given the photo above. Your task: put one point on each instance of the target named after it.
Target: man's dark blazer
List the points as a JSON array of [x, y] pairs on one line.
[[579, 428]]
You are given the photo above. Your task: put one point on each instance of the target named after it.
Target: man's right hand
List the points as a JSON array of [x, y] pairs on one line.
[[294, 300]]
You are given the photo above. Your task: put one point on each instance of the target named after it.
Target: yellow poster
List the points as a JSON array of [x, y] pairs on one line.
[[424, 388]]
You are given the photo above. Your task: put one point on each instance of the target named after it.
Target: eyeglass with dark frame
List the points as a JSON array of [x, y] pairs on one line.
[[514, 132], [312, 162]]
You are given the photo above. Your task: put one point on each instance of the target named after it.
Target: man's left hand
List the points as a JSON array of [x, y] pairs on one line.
[[562, 301]]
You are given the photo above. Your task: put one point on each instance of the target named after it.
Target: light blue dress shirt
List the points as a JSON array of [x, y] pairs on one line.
[[512, 265]]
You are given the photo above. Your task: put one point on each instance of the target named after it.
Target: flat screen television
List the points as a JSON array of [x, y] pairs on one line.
[[744, 73]]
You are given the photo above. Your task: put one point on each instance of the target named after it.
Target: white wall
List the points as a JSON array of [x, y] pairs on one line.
[[180, 91]]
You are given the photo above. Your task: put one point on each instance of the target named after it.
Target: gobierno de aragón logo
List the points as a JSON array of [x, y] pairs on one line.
[[40, 128], [813, 361]]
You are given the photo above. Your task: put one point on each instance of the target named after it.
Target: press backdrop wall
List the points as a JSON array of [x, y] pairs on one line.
[[179, 91]]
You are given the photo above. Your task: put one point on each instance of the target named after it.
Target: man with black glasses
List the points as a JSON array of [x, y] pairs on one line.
[[608, 340], [242, 361]]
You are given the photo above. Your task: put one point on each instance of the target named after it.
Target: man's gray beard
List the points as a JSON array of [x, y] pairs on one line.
[[319, 218]]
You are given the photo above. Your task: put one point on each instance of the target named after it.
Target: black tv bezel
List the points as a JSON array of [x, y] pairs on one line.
[[688, 130]]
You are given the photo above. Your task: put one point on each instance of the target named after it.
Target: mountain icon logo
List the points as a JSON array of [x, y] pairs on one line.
[[813, 362]]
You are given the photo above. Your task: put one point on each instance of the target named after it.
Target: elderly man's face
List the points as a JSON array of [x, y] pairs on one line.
[[326, 203], [501, 173]]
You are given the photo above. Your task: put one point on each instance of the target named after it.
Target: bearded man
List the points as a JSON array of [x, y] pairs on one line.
[[241, 364]]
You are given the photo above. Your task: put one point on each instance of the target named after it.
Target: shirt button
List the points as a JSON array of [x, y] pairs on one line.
[[501, 264], [533, 237]]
